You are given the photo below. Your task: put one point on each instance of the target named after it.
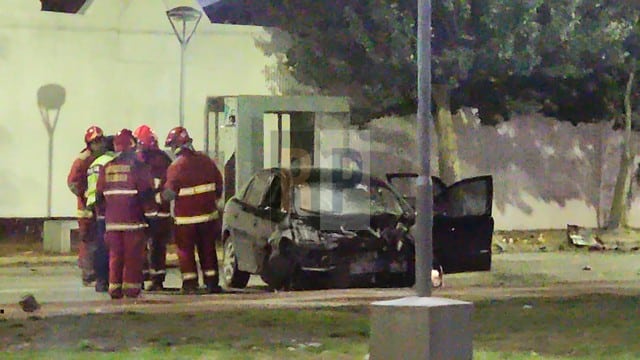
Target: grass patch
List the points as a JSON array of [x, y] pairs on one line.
[[590, 327], [585, 327]]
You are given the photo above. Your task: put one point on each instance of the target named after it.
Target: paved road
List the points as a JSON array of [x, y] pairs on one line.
[[61, 283], [58, 286]]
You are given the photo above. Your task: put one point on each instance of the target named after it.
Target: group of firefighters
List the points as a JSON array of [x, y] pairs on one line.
[[126, 187]]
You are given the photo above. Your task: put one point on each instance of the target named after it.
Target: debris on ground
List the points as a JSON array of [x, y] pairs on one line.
[[527, 307], [500, 247], [587, 268], [583, 237], [29, 303]]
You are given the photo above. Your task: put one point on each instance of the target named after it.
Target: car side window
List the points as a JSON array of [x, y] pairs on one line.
[[273, 199], [243, 192], [468, 197], [254, 194]]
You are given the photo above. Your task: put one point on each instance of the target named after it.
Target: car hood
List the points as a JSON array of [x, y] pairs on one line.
[[351, 222]]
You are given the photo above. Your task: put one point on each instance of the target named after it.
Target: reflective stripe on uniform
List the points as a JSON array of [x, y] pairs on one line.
[[186, 220], [121, 227], [157, 272], [114, 286], [157, 214], [210, 273], [131, 286], [189, 276], [85, 214], [100, 217], [197, 189], [120, 192]]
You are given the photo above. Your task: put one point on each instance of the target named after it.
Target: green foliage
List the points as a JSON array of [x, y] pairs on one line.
[[568, 56]]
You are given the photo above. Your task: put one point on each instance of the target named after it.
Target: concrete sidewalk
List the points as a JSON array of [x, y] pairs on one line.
[[256, 298], [55, 259], [37, 260]]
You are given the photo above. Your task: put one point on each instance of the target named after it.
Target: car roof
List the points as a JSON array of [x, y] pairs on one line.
[[315, 174]]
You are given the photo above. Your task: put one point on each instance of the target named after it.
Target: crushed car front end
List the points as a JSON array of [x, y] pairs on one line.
[[380, 252]]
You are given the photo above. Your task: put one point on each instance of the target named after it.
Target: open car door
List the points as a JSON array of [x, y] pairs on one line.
[[463, 226], [405, 184]]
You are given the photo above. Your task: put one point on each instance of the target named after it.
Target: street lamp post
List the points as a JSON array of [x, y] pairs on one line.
[[180, 17], [424, 200], [51, 97]]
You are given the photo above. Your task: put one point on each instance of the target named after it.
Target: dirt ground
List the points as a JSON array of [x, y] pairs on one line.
[[557, 240]]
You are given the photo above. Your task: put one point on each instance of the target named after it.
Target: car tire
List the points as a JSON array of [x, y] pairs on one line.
[[408, 278], [231, 276], [278, 271]]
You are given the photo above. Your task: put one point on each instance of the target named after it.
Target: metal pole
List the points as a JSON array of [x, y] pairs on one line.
[[183, 48], [50, 175], [424, 201], [217, 137], [206, 129], [279, 139]]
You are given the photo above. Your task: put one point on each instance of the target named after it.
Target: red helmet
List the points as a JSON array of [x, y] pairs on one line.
[[178, 136], [146, 137], [124, 141], [93, 133]]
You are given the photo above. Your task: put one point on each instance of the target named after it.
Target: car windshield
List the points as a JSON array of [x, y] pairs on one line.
[[345, 198]]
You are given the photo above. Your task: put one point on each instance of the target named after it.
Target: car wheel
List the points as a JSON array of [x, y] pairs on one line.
[[278, 271], [231, 276]]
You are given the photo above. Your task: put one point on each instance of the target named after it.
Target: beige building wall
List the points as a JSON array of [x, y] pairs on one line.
[[546, 173], [119, 65]]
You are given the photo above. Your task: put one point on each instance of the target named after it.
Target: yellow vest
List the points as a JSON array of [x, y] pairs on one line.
[[92, 176]]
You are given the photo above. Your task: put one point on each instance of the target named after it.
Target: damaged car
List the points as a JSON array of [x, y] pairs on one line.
[[318, 228]]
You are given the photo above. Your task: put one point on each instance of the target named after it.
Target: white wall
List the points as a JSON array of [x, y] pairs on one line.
[[119, 65], [546, 173]]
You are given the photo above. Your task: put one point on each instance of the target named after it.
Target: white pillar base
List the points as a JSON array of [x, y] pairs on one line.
[[57, 235], [421, 328]]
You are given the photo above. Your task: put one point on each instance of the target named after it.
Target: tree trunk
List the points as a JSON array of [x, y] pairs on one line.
[[619, 209], [448, 162]]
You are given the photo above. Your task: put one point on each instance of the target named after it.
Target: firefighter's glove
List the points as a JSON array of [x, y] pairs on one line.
[[168, 195]]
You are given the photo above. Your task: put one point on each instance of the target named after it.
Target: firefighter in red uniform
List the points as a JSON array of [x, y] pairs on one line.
[[77, 183], [125, 186], [195, 183], [160, 222]]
